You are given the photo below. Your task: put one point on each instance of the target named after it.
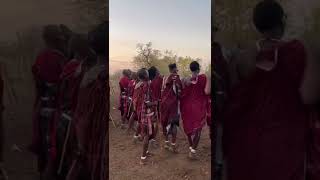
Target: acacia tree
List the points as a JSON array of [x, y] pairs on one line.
[[147, 56]]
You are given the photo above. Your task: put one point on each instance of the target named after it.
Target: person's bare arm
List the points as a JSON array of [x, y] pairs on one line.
[[207, 89], [310, 87], [242, 65]]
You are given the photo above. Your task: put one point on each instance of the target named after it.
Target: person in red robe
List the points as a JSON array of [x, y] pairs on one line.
[[137, 102], [145, 111], [156, 85], [132, 115], [169, 107], [194, 106], [90, 120], [123, 84], [71, 77], [266, 121], [46, 71]]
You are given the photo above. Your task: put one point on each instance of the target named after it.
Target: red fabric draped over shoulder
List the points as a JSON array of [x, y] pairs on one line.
[[169, 100], [156, 85], [265, 122], [47, 68], [124, 82], [90, 124], [193, 105]]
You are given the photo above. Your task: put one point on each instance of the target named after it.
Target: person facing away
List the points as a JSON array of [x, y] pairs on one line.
[[90, 120], [194, 106], [123, 84], [145, 111], [169, 107], [71, 77], [155, 86], [132, 115], [46, 72], [266, 121]]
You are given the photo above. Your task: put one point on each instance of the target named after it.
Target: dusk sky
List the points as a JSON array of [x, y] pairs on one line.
[[183, 26]]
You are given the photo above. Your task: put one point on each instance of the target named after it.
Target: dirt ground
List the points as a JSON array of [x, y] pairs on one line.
[[20, 164], [124, 157]]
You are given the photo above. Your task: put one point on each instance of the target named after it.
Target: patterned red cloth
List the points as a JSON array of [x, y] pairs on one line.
[[123, 85], [194, 105], [131, 86], [90, 123], [143, 94], [169, 100], [266, 123], [156, 85], [137, 98], [71, 77]]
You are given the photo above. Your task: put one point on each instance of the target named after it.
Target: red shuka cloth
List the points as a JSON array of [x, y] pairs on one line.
[[266, 122], [131, 86], [143, 115], [137, 98], [90, 122], [123, 84], [193, 105], [313, 155], [47, 68], [156, 85], [169, 100], [71, 77], [129, 110]]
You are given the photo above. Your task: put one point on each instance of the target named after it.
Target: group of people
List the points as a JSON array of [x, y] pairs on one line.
[[69, 118], [150, 99], [265, 105]]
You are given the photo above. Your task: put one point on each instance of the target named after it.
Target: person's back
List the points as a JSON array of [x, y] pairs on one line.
[[266, 121], [193, 106], [46, 71], [90, 120], [266, 111]]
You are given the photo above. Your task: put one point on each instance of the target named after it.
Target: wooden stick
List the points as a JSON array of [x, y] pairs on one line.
[[110, 117], [129, 109], [4, 173], [64, 147]]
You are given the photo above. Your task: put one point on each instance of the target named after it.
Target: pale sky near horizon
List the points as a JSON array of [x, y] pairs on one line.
[[183, 26]]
